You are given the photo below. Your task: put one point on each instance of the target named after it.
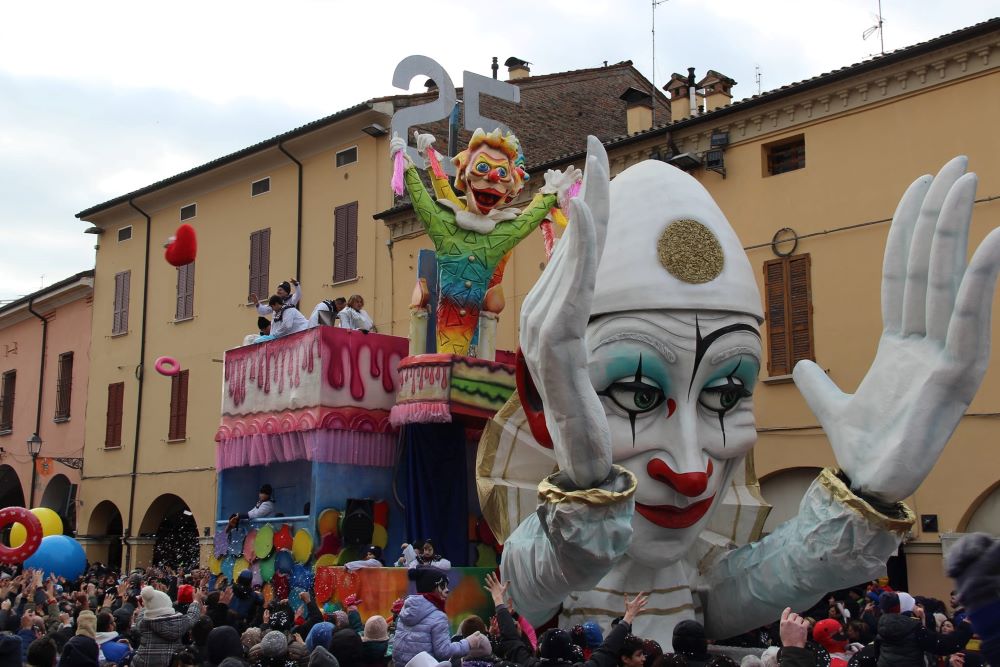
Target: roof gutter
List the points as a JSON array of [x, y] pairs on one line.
[[139, 375], [298, 214]]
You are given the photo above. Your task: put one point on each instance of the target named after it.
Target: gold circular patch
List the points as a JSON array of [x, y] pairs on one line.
[[690, 252]]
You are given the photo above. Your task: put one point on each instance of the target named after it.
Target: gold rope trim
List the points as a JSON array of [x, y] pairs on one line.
[[549, 492], [655, 591], [829, 480], [596, 611]]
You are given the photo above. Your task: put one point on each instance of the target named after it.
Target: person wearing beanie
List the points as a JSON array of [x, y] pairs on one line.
[[422, 624], [185, 595], [555, 646], [250, 638], [161, 628], [247, 605], [80, 651], [319, 635], [346, 646], [375, 642], [689, 640], [110, 646], [829, 634], [11, 651], [86, 624], [321, 657], [223, 643]]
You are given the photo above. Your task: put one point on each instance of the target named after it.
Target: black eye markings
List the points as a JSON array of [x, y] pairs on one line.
[[635, 397]]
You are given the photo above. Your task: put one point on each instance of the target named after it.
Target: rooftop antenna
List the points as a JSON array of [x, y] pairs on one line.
[[877, 28], [652, 78], [756, 77]]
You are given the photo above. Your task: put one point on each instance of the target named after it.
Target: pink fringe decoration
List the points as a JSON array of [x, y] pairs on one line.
[[432, 158], [321, 445], [399, 166], [529, 632], [549, 237], [420, 413]]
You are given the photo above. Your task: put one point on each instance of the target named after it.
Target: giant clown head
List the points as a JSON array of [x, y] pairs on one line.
[[489, 171], [674, 352]]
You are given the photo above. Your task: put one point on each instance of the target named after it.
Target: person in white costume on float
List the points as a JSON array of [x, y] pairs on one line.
[[641, 342]]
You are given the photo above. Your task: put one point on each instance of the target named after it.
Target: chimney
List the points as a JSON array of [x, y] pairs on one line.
[[718, 90], [494, 67], [517, 68], [678, 90], [638, 110]]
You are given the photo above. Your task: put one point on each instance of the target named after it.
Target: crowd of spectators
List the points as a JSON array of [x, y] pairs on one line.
[[164, 618]]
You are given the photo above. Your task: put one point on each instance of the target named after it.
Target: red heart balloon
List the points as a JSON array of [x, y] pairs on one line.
[[183, 248]]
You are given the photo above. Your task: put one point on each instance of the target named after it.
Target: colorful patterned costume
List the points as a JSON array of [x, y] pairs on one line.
[[467, 260]]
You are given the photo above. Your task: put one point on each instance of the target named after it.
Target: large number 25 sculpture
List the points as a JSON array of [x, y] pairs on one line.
[[475, 85]]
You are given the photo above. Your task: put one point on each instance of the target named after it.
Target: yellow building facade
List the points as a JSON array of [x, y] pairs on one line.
[[823, 162]]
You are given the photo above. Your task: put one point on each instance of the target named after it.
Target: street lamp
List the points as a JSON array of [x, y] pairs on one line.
[[34, 447]]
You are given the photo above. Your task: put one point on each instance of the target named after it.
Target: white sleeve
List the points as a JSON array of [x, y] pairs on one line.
[[409, 555], [836, 540], [366, 320], [299, 321], [568, 544], [296, 295], [314, 318], [264, 510], [264, 310], [443, 564]]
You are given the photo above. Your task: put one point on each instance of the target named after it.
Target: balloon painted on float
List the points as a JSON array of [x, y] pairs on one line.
[[59, 555]]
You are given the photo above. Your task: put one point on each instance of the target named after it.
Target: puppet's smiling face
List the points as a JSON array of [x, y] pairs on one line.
[[489, 178], [677, 389]]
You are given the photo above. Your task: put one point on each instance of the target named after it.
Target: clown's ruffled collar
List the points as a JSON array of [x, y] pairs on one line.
[[476, 222]]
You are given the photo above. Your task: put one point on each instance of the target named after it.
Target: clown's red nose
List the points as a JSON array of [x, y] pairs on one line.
[[493, 176], [691, 484]]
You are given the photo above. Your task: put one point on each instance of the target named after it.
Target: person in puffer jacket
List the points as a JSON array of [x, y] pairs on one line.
[[161, 628], [422, 624]]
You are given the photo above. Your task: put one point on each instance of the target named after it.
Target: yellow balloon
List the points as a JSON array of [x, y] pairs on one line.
[[379, 537], [51, 525], [240, 565], [302, 545], [214, 565]]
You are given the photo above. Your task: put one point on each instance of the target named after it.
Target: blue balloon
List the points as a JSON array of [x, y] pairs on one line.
[[60, 555], [283, 561]]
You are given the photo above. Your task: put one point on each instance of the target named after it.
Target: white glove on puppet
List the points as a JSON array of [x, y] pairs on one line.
[[396, 144], [559, 182], [424, 141]]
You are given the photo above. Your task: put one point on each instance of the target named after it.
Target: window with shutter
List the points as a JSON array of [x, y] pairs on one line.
[[120, 321], [177, 429], [7, 402], [260, 261], [64, 386], [345, 242], [116, 404], [185, 292], [789, 313]]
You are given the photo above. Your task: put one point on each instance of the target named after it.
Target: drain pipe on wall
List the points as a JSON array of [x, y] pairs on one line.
[[140, 376], [298, 214], [41, 383]]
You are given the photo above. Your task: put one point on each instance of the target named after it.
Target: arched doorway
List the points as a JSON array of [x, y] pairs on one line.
[[783, 491], [11, 492], [106, 522], [171, 525], [985, 514], [58, 496]]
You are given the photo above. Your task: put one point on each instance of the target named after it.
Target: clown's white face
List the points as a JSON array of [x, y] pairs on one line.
[[677, 389]]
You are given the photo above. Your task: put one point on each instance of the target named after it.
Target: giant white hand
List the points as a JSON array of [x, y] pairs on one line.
[[935, 343], [554, 320]]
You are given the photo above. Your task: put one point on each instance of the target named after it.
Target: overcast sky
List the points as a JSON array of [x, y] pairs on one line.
[[100, 98]]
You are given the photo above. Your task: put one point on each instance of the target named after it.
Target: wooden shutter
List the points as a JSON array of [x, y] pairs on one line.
[[122, 287], [789, 313], [345, 242], [64, 386], [7, 401], [185, 292], [260, 260], [116, 402], [178, 406]]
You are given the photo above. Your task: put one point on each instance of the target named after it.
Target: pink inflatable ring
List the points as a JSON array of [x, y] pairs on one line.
[[33, 530], [167, 366]]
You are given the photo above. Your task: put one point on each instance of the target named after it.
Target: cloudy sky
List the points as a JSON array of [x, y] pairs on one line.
[[99, 98]]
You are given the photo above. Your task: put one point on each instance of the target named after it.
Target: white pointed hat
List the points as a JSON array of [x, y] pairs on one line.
[[670, 247]]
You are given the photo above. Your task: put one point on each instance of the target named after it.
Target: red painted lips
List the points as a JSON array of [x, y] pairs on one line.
[[668, 516]]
